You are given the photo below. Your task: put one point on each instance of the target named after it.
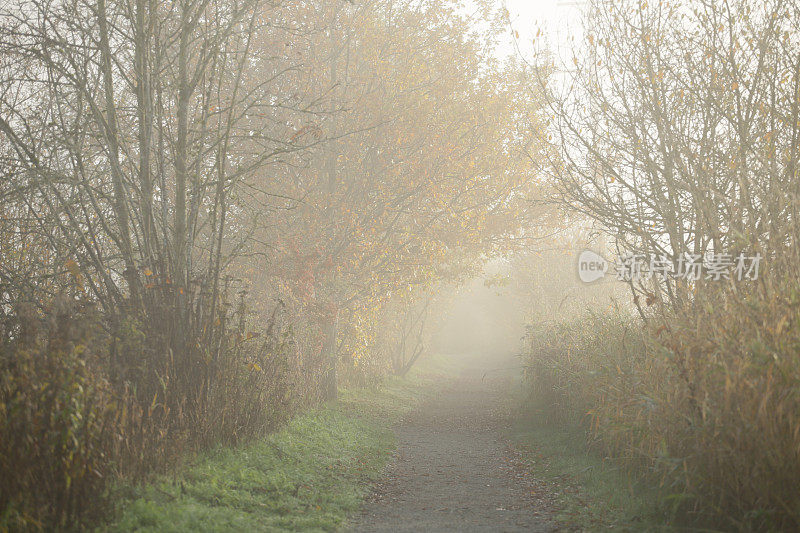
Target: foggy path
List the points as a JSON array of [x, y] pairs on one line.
[[453, 471]]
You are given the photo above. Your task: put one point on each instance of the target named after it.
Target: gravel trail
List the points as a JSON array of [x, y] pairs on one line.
[[453, 470]]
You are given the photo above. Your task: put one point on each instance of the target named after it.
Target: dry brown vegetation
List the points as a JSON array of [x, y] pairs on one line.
[[677, 133], [214, 212]]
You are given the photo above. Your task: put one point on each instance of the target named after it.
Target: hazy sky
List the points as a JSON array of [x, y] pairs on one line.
[[559, 20]]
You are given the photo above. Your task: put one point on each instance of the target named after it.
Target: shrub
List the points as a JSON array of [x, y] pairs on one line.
[[80, 407], [704, 401], [58, 421]]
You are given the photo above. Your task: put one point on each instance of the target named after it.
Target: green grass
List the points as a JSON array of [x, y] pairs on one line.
[[592, 493], [309, 476]]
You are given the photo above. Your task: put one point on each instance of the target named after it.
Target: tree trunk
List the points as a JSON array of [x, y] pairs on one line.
[[330, 390]]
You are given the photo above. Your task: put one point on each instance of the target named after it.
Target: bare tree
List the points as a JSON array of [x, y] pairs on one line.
[[676, 128]]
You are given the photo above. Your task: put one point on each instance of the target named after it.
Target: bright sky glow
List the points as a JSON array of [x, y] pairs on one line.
[[559, 21]]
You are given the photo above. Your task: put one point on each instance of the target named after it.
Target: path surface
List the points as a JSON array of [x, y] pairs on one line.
[[453, 471]]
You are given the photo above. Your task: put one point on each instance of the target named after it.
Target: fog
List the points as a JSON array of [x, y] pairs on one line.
[[482, 317], [256, 257]]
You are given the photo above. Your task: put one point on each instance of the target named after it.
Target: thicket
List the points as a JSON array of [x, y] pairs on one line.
[[678, 137], [215, 212]]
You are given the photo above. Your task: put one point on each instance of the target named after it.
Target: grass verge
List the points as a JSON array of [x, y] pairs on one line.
[[309, 476], [591, 492]]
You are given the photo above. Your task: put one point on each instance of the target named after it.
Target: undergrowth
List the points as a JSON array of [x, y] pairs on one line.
[[701, 403], [309, 476]]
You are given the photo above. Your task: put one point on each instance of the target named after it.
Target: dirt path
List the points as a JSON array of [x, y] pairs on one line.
[[453, 471]]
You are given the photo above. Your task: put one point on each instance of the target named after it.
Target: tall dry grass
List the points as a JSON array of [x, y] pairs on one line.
[[73, 420], [705, 401]]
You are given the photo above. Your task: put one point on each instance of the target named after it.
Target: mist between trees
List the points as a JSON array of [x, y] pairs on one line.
[[217, 212], [674, 130]]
